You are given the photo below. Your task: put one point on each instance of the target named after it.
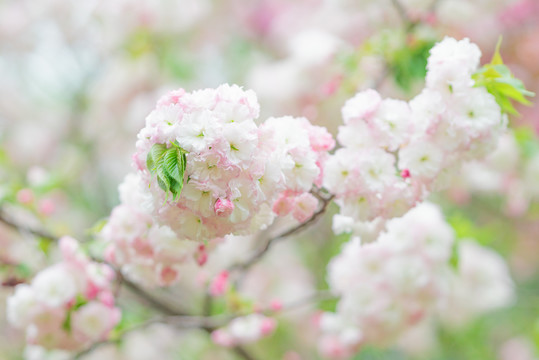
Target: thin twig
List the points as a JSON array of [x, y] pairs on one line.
[[240, 351], [155, 303], [99, 344], [263, 249], [403, 14], [25, 229]]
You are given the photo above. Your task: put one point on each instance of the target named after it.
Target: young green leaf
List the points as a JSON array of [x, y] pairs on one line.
[[497, 79], [168, 164]]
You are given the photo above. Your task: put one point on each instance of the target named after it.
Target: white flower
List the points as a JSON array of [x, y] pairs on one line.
[[377, 169], [54, 286], [197, 131], [20, 306], [477, 111], [361, 107], [422, 159], [93, 321], [393, 119]]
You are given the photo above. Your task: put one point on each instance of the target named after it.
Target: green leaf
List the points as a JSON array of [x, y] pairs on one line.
[[454, 259], [163, 180], [150, 164], [169, 165], [497, 58], [497, 79], [172, 164], [97, 227]]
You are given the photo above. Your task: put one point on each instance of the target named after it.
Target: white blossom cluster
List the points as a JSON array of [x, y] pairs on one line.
[[394, 153], [238, 176], [404, 278]]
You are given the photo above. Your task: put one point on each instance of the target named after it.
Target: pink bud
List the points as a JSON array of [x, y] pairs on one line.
[[25, 196], [332, 86], [405, 174], [276, 305], [92, 290], [106, 298], [267, 326], [168, 275], [46, 207], [219, 284], [109, 254], [223, 207], [201, 256]]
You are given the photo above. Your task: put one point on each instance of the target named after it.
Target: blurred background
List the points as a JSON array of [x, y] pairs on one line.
[[77, 79]]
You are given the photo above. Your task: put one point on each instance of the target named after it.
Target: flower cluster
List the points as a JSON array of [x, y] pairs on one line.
[[67, 306], [389, 285], [232, 171], [146, 252], [395, 153], [304, 150], [235, 178], [244, 330]]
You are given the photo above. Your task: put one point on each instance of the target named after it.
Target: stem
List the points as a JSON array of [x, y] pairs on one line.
[[4, 218], [403, 14], [155, 303], [262, 250], [241, 352]]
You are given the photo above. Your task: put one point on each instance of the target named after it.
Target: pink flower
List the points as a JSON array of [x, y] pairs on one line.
[[223, 207], [305, 206], [219, 284], [25, 196]]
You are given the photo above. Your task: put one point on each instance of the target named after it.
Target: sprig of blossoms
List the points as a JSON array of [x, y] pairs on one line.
[[395, 153], [234, 178], [67, 306]]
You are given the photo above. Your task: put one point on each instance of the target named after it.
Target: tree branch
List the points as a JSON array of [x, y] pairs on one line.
[[263, 249], [403, 14], [4, 218]]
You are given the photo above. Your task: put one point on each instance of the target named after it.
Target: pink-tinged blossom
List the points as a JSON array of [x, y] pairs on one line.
[[25, 196], [67, 306], [304, 207]]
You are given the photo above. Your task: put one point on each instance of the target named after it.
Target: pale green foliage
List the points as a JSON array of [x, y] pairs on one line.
[[498, 80]]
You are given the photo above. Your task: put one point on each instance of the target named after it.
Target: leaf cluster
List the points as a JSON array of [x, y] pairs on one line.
[[500, 82]]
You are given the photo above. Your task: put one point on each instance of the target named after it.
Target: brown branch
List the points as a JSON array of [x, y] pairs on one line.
[[154, 302], [240, 351], [4, 218], [403, 14], [263, 249]]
